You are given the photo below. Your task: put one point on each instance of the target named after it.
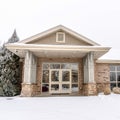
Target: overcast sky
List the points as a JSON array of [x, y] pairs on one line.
[[98, 20]]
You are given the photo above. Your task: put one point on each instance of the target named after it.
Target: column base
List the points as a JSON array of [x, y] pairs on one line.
[[28, 90], [89, 89]]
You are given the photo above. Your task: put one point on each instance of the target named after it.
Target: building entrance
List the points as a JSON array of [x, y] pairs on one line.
[[59, 78], [60, 81]]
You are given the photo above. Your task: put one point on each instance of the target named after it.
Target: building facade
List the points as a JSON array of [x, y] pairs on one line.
[[61, 61]]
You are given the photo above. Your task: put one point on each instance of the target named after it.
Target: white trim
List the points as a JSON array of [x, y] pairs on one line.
[[57, 38], [55, 29], [109, 61], [55, 47]]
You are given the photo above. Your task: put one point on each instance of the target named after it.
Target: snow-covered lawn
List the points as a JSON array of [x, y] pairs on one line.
[[61, 108]]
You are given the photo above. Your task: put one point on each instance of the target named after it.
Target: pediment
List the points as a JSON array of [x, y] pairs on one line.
[[49, 37]]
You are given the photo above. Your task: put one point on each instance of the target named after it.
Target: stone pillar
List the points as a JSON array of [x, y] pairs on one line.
[[89, 82], [29, 87]]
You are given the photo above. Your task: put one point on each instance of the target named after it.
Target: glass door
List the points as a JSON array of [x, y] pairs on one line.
[[65, 81], [54, 81], [60, 81]]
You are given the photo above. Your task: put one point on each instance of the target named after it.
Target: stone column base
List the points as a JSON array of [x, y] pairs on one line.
[[28, 90], [89, 89]]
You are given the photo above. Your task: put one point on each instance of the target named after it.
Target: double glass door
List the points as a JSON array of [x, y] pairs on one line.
[[60, 81]]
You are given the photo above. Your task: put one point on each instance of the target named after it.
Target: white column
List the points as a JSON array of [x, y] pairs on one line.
[[89, 68], [30, 66]]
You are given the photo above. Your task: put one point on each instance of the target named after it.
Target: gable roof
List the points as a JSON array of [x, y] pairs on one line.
[[55, 29]]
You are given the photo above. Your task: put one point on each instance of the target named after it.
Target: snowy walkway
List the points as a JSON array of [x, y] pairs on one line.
[[61, 108]]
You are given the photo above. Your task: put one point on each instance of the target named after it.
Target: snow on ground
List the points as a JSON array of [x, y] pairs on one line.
[[60, 108]]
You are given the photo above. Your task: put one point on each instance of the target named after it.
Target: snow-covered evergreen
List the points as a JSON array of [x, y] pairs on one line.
[[9, 70]]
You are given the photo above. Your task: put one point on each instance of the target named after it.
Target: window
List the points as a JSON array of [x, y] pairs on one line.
[[60, 73], [60, 37], [45, 78], [74, 76], [115, 76]]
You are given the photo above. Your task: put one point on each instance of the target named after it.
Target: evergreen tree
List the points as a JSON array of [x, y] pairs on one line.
[[9, 70]]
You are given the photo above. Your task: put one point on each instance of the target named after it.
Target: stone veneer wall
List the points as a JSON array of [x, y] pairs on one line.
[[102, 77], [90, 89], [29, 90]]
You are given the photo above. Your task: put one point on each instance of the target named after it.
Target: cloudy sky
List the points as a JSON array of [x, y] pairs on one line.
[[98, 20]]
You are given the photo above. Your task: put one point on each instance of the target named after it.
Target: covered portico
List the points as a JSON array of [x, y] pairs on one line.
[[31, 52]]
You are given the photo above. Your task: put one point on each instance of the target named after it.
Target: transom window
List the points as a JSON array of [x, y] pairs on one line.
[[60, 37], [115, 76]]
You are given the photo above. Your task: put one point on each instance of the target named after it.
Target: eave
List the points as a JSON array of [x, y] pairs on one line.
[[62, 51], [108, 61]]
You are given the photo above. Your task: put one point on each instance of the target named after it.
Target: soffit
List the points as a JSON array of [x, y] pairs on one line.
[[61, 51]]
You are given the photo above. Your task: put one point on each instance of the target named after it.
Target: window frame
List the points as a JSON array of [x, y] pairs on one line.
[[71, 68], [116, 71], [57, 38]]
